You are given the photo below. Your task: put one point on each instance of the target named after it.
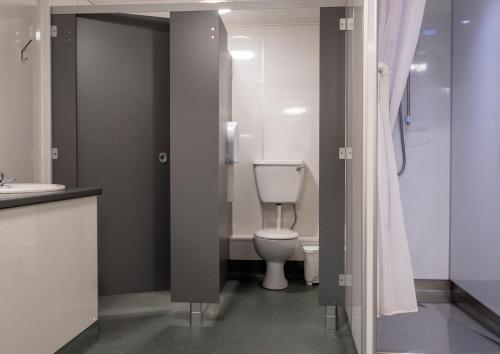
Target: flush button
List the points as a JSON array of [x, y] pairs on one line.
[[163, 157]]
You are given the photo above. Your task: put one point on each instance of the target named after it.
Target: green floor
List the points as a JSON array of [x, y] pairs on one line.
[[249, 319]]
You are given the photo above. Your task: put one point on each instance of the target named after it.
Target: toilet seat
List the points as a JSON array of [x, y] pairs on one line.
[[277, 234]]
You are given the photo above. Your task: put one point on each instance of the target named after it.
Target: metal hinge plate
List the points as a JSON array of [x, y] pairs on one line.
[[342, 153], [348, 280], [348, 153], [346, 24], [53, 31], [345, 153], [345, 280]]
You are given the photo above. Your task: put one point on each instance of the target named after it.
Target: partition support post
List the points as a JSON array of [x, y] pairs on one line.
[[331, 318], [195, 314]]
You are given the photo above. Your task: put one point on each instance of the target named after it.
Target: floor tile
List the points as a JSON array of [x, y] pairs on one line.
[[435, 329], [249, 319]]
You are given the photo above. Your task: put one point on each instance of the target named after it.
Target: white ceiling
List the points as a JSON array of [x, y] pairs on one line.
[[298, 3], [186, 5], [261, 17], [271, 17], [16, 3]]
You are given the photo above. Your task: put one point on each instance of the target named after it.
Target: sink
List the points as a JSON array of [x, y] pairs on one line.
[[10, 188]]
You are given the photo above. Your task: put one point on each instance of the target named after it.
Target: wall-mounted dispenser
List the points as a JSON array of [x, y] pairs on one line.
[[232, 142]]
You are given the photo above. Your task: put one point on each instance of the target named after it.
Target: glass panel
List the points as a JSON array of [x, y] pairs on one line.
[[475, 192]]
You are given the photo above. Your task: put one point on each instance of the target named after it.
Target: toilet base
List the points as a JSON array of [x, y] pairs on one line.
[[275, 276]]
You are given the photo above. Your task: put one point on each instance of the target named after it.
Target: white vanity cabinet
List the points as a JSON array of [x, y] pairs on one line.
[[48, 273]]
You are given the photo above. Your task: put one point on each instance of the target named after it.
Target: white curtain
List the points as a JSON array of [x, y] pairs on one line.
[[399, 28]]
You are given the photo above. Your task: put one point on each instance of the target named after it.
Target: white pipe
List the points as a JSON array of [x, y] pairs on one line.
[[278, 217]]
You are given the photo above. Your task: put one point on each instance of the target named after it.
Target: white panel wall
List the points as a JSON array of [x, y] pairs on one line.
[[475, 222], [25, 90], [276, 102], [16, 93], [425, 186]]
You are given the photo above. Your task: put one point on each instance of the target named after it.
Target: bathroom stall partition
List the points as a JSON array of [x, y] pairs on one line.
[[341, 166], [110, 129], [140, 106], [200, 90], [331, 167]]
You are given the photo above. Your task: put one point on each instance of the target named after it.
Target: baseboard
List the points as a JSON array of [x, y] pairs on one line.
[[433, 290], [475, 309], [255, 270], [428, 290]]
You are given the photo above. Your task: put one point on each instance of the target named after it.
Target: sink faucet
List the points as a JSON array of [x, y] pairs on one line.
[[4, 180]]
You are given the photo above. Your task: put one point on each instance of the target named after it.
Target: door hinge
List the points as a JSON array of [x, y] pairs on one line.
[[346, 24], [53, 31], [348, 280], [342, 280], [345, 280], [345, 153], [55, 154]]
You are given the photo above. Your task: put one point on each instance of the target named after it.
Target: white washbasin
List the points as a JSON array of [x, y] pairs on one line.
[[30, 188]]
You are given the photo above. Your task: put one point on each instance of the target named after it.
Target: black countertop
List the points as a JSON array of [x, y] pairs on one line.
[[24, 199]]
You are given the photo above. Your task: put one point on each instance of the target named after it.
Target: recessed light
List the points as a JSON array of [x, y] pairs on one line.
[[224, 11], [465, 22], [294, 111], [242, 54], [429, 32], [241, 37], [418, 67]]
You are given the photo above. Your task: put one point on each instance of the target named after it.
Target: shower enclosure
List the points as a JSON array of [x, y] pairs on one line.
[[450, 191]]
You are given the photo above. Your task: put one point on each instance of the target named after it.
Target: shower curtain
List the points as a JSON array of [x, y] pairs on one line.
[[399, 28]]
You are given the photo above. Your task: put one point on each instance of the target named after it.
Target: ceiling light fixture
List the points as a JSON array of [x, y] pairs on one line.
[[294, 111], [212, 1], [418, 67], [242, 54], [224, 11]]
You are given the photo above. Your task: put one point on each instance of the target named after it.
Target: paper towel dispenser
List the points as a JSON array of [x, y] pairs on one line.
[[232, 142]]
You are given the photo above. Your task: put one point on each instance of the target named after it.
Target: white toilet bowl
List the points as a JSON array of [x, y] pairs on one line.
[[275, 246]]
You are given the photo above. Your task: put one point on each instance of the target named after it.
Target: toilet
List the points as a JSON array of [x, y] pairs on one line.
[[278, 182]]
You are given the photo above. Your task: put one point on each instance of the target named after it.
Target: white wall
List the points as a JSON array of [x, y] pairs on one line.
[[282, 74], [25, 90], [16, 94], [425, 186]]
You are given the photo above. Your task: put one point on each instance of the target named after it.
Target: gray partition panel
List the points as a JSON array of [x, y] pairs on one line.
[[199, 207], [331, 171], [225, 110], [123, 125], [63, 48]]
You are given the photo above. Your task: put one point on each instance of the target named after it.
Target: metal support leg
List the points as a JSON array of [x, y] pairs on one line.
[[195, 314], [331, 318]]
